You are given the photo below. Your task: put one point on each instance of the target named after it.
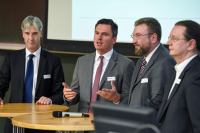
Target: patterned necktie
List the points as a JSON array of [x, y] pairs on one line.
[[143, 66], [29, 80], [96, 83]]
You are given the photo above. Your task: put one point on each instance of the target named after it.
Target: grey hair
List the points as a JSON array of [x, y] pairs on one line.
[[31, 20]]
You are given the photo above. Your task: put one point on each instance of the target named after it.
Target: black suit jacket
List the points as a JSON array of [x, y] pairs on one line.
[[13, 70], [181, 112]]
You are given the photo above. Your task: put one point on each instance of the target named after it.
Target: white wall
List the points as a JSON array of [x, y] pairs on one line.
[[75, 19]]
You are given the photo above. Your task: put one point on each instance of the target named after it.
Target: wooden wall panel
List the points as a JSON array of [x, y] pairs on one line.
[[12, 13]]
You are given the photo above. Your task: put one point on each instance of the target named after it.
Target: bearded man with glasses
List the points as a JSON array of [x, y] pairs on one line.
[[153, 68]]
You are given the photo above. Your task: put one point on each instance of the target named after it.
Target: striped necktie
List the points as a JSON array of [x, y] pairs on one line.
[[144, 63]]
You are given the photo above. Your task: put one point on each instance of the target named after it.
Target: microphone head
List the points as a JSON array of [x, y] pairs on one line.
[[57, 114]]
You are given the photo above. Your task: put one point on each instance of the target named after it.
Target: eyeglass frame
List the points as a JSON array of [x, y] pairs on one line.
[[138, 36], [174, 39]]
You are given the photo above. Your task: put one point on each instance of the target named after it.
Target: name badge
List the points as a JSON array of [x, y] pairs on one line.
[[110, 78], [47, 76], [144, 80], [178, 81]]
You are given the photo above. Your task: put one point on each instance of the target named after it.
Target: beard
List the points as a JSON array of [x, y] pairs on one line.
[[142, 51]]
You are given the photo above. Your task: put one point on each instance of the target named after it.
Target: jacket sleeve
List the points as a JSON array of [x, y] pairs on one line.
[[5, 76]]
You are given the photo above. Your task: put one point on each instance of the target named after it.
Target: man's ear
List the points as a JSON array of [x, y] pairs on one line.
[[192, 44], [154, 38], [41, 34], [114, 40]]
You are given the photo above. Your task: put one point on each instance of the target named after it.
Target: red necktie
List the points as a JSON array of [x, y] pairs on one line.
[[96, 83], [143, 66]]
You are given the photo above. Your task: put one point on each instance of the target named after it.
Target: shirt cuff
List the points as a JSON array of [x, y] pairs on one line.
[[50, 100], [116, 102]]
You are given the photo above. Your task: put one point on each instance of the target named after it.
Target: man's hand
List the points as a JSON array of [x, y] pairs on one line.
[[110, 94], [1, 101], [43, 100], [68, 93]]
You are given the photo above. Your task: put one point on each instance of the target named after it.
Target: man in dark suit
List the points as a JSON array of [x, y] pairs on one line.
[[179, 111], [46, 85], [154, 67], [116, 68]]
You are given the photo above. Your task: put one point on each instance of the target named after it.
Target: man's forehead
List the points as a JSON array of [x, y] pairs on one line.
[[103, 28], [30, 30], [106, 26], [141, 28], [178, 30]]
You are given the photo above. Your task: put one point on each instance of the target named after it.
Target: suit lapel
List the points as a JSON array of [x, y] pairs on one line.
[[176, 87], [134, 77], [89, 73], [172, 93], [167, 100], [42, 63], [165, 97], [21, 67], [137, 70], [109, 67], [149, 64]]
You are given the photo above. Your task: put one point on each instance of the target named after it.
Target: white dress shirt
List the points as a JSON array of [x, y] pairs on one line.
[[106, 59], [151, 54], [179, 68]]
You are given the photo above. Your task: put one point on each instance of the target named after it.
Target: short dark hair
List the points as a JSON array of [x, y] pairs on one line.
[[110, 22], [192, 31], [152, 24]]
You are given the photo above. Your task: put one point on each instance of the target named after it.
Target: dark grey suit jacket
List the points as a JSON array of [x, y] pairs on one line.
[[147, 89], [119, 67], [13, 70], [181, 112]]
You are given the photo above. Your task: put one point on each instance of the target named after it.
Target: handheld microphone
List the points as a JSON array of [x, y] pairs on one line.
[[59, 114]]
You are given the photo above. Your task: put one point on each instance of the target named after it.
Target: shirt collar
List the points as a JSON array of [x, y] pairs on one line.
[[179, 67], [107, 55], [36, 53], [150, 55]]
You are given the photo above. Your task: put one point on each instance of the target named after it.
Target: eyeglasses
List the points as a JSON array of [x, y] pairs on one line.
[[174, 39], [138, 35]]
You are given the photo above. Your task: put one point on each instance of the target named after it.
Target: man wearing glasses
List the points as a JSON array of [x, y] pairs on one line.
[[179, 111], [153, 68]]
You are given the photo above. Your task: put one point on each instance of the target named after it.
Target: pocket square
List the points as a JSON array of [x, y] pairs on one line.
[[47, 76]]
